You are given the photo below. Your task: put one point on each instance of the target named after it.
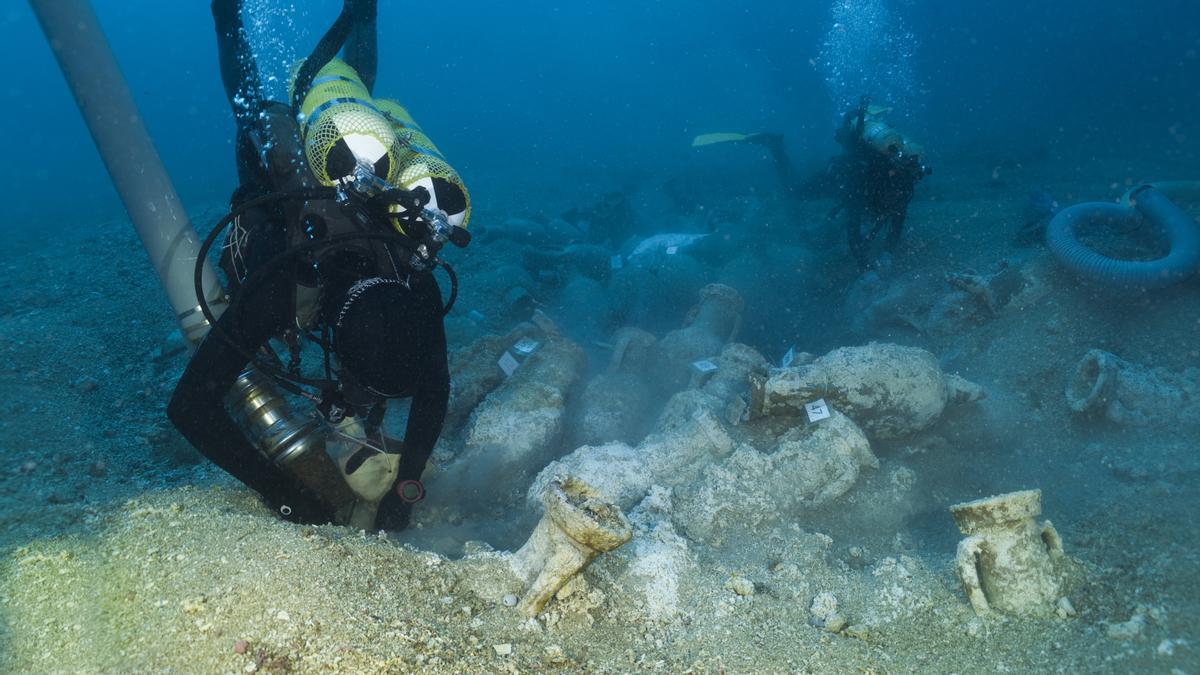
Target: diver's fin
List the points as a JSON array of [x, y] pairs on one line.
[[723, 137]]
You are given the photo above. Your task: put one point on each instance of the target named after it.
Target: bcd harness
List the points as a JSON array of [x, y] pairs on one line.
[[354, 227]]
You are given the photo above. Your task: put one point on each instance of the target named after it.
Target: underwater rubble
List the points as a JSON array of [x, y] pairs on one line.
[[623, 485]]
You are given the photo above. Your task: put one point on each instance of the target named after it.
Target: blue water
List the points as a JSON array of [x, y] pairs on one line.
[[515, 93], [1024, 107]]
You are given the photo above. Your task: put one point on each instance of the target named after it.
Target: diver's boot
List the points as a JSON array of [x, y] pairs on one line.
[[296, 504]]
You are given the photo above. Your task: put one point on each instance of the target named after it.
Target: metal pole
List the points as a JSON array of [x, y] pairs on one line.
[[112, 117]]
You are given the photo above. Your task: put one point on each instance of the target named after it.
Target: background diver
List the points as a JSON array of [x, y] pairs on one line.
[[337, 222], [872, 181]]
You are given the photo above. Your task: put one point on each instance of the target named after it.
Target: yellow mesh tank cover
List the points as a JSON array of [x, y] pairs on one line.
[[421, 164], [342, 126]]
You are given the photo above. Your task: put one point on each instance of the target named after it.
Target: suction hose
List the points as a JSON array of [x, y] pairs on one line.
[[133, 164], [1144, 205]]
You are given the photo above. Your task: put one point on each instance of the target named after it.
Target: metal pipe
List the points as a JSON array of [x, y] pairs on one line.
[[103, 96]]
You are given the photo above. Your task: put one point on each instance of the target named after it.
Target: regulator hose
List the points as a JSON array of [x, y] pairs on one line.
[[1146, 206], [290, 381]]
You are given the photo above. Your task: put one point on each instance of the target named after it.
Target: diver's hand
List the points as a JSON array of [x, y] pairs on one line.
[[394, 513]]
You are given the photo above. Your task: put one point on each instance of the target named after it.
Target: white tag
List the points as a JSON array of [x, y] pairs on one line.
[[508, 364], [617, 262], [788, 358], [817, 410], [476, 315], [525, 346], [703, 366], [672, 250]]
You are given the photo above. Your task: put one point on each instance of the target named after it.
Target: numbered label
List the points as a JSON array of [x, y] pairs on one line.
[[526, 346], [788, 358], [704, 366], [672, 250], [817, 410], [508, 364]]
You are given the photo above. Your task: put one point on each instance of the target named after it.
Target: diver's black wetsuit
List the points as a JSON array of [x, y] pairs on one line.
[[264, 310], [871, 187]]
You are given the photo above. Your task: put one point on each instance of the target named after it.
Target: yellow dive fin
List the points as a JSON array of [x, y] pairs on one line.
[[725, 137]]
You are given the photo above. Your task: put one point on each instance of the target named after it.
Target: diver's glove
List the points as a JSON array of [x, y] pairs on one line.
[[394, 513]]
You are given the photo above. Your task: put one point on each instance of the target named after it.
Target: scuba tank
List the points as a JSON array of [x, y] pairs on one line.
[[343, 128], [341, 125], [881, 137], [424, 164]]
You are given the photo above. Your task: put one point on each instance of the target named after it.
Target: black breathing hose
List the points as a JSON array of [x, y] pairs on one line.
[[322, 54], [286, 380]]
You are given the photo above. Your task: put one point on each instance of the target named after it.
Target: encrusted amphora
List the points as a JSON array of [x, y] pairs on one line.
[[1009, 562]]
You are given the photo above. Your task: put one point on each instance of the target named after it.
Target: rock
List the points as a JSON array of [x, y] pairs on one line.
[[1127, 630], [171, 345], [86, 385], [810, 465], [510, 600], [740, 585], [674, 455], [824, 613], [658, 560], [1064, 609], [240, 646], [835, 623], [520, 423]]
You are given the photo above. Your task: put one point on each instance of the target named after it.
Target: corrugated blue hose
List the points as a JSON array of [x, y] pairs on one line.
[[1149, 206]]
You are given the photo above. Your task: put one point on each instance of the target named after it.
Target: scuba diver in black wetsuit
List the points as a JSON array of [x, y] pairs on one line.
[[872, 180], [336, 227]]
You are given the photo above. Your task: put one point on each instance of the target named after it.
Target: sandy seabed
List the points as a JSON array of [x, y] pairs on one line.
[[122, 552]]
